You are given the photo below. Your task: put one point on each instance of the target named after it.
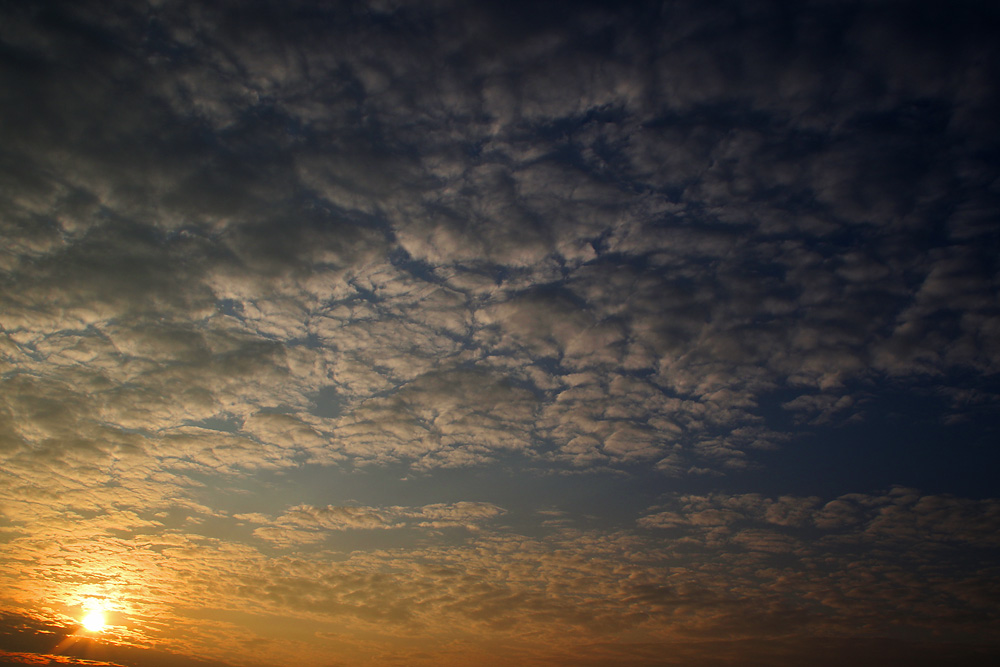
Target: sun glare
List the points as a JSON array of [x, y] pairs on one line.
[[94, 621]]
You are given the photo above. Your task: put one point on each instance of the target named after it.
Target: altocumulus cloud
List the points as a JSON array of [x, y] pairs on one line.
[[307, 308]]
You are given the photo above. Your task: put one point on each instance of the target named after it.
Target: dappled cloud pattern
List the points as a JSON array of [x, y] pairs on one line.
[[471, 333]]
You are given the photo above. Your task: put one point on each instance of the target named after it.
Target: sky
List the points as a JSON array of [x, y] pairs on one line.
[[506, 334]]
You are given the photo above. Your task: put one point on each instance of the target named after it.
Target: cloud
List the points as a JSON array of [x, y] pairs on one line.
[[721, 556], [260, 260], [306, 524], [900, 516], [658, 233], [452, 418]]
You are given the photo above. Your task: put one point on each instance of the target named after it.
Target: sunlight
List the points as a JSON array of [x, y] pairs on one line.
[[94, 615], [94, 621]]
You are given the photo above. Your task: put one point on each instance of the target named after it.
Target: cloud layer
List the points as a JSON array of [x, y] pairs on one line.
[[443, 327]]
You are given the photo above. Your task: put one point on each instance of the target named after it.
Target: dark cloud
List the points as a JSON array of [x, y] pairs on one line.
[[28, 641]]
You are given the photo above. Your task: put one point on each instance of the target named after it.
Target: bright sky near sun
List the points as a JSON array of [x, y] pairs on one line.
[[94, 621], [499, 333]]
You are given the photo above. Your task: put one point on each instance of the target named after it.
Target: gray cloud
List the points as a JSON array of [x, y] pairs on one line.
[[902, 517], [305, 524], [640, 207], [247, 245]]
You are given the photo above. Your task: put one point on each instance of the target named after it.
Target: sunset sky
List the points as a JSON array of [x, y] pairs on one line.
[[464, 333]]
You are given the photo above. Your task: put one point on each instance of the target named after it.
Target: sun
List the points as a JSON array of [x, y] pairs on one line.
[[95, 613], [94, 621]]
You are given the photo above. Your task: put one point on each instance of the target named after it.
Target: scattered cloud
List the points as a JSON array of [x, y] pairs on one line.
[[261, 261]]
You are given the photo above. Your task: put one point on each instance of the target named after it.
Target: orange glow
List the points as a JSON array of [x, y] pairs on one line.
[[94, 615], [94, 621]]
